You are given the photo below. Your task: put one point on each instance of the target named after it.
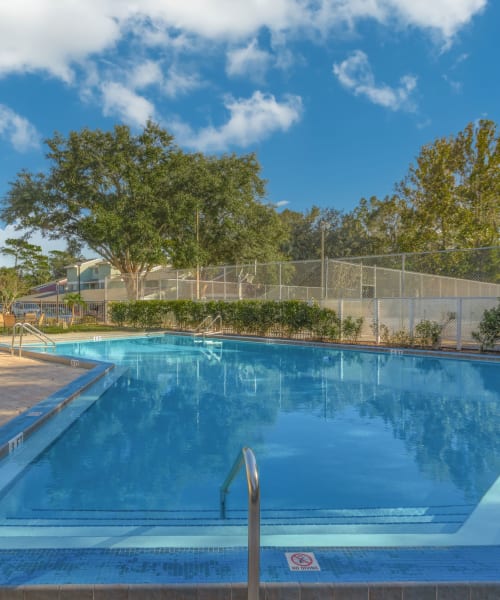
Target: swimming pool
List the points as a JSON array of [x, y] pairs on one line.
[[355, 448]]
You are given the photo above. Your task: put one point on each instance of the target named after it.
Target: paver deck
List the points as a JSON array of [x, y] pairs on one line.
[[24, 382]]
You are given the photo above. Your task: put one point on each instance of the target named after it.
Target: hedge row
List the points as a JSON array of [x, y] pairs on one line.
[[289, 317]]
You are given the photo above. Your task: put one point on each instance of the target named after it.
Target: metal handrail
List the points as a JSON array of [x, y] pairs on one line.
[[205, 326], [252, 473], [30, 329]]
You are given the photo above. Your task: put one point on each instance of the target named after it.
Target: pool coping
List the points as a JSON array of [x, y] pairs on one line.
[[391, 350], [267, 591], [15, 431]]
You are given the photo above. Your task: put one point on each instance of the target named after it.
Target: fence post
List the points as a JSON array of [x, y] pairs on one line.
[[326, 278], [459, 323], [376, 320], [341, 315], [402, 278], [280, 279], [411, 316], [361, 280]]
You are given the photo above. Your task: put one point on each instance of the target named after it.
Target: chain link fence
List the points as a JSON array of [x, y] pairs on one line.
[[465, 273], [395, 291]]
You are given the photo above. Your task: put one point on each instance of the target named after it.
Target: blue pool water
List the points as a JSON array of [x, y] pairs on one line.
[[342, 438]]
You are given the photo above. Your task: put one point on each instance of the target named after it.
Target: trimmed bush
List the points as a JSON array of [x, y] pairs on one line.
[[289, 317], [488, 334]]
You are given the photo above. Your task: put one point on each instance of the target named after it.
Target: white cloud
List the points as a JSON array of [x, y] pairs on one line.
[[119, 100], [355, 74], [250, 121], [50, 35], [456, 86], [249, 60], [18, 130], [54, 36], [177, 83], [145, 74], [445, 16]]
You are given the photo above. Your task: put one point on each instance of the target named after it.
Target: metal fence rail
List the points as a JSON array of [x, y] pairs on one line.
[[474, 273]]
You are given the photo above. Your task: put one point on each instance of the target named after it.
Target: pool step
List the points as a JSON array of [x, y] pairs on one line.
[[442, 518]]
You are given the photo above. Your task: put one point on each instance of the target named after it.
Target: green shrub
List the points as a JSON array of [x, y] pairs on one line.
[[118, 313], [244, 316], [428, 333], [351, 328], [401, 337], [488, 333], [326, 324], [295, 316]]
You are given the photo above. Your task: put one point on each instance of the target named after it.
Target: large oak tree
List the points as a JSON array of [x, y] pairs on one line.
[[139, 201]]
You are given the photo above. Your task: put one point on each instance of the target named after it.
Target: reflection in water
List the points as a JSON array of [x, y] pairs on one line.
[[333, 429]]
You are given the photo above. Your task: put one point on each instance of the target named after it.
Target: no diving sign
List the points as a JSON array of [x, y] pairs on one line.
[[302, 561]]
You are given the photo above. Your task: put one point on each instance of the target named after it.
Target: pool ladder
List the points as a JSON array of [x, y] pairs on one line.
[[207, 326], [247, 458], [21, 328]]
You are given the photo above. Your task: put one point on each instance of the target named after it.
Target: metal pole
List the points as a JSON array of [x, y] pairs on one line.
[[322, 259], [403, 263], [57, 303], [252, 475], [197, 254], [459, 323], [253, 525], [326, 278]]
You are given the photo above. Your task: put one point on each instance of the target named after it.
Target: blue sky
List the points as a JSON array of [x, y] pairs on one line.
[[336, 97]]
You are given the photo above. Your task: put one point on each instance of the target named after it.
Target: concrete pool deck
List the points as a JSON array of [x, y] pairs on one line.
[[26, 381]]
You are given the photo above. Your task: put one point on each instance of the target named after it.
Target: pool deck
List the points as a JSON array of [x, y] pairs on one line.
[[25, 381], [356, 573]]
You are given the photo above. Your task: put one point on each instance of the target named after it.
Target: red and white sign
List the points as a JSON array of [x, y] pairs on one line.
[[302, 561]]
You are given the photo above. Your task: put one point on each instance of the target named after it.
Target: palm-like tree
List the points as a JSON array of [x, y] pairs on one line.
[[72, 301]]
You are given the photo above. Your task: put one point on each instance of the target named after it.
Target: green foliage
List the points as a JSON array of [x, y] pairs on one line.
[[400, 337], [12, 286], [488, 334], [118, 313], [452, 191], [29, 261], [290, 317], [351, 328], [428, 333], [73, 301], [447, 200], [325, 324], [139, 201], [296, 316], [60, 259]]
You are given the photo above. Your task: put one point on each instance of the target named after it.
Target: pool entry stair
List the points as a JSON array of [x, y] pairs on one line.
[[209, 326], [21, 329]]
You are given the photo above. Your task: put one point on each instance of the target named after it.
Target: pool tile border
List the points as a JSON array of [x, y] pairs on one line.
[[219, 568], [24, 425]]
